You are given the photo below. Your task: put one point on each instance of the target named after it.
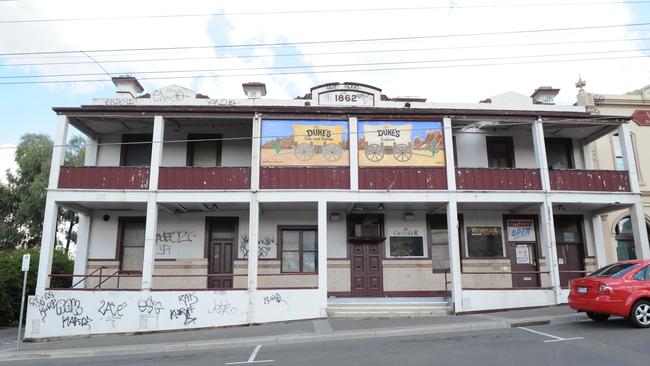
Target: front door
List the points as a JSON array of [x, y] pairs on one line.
[[367, 279], [221, 241], [522, 251], [570, 248]]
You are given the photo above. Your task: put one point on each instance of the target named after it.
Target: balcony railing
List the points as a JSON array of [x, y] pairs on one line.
[[205, 178], [590, 180], [91, 177], [496, 179], [402, 178], [304, 178]]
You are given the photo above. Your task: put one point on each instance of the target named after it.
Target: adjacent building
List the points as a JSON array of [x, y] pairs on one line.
[[200, 212]]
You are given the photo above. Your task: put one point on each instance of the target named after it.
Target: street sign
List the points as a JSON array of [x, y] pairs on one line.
[[26, 258]]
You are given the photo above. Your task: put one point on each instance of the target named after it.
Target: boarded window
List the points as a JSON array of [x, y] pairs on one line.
[[204, 150], [132, 244], [136, 150]]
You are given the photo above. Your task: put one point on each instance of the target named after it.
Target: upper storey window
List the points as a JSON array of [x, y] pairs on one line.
[[559, 153], [204, 150], [500, 152], [136, 150]]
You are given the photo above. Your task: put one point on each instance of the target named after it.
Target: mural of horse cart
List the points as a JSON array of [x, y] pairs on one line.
[[310, 140], [392, 140]]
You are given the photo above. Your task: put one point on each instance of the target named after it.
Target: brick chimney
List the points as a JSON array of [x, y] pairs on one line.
[[127, 86]]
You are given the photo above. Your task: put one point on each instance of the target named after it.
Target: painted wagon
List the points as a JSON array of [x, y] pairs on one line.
[[388, 139], [315, 139]]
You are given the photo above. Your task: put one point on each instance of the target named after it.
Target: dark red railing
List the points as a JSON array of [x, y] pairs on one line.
[[204, 178], [590, 180], [498, 179], [92, 177], [403, 178], [304, 178]]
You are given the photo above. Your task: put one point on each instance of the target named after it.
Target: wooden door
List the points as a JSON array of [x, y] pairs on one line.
[[523, 258], [570, 264], [221, 252], [367, 272]]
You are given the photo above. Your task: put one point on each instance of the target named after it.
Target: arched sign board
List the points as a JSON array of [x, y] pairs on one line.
[[345, 94]]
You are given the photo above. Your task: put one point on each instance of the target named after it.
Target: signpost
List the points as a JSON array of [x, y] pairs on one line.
[[25, 269]]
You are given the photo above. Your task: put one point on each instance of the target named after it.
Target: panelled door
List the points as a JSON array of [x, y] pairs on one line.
[[570, 247], [367, 279], [222, 239], [521, 239]]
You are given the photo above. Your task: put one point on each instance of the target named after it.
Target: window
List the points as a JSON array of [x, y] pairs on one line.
[[137, 150], [559, 153], [299, 250], [453, 142], [614, 270], [624, 240], [643, 274], [619, 162], [567, 229], [406, 246], [131, 243], [500, 152], [205, 151], [484, 242], [439, 241]]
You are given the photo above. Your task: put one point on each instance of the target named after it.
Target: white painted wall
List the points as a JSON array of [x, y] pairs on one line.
[[480, 300], [74, 313], [396, 226], [483, 219]]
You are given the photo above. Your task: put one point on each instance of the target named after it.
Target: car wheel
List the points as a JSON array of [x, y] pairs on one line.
[[640, 314], [597, 317]]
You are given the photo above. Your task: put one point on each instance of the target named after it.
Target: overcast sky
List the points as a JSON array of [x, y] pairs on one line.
[[27, 107]]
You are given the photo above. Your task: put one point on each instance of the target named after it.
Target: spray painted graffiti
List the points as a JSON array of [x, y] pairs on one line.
[[221, 102], [149, 308], [175, 237], [43, 303], [264, 246], [168, 95], [75, 321], [110, 311], [275, 298], [163, 249], [222, 308], [186, 311]]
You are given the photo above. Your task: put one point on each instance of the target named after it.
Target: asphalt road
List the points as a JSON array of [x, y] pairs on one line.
[[575, 344]]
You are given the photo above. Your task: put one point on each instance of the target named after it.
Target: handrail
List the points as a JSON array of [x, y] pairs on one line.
[[87, 276]]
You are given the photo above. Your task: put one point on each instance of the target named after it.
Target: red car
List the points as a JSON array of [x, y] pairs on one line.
[[621, 289]]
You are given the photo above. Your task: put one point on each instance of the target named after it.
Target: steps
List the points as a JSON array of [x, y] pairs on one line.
[[361, 308]]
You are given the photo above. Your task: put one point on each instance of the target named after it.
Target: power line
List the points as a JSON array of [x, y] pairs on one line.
[[307, 72], [321, 66], [360, 40], [327, 53], [321, 11]]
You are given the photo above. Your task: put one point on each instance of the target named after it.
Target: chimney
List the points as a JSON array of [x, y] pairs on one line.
[[544, 95], [127, 86], [254, 90], [583, 98]]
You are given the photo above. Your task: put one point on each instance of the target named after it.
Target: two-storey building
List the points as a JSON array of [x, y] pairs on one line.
[[199, 212]]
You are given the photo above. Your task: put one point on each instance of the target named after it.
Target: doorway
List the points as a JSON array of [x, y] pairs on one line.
[[221, 242], [365, 242], [521, 239], [570, 247]]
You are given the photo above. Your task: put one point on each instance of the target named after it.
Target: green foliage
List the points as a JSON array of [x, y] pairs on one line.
[[434, 148], [11, 279], [75, 152], [277, 145]]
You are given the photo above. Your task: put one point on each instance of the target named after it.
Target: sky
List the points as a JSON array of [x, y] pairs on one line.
[[435, 37]]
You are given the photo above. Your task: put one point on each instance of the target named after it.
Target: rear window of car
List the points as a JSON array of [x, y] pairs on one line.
[[614, 270]]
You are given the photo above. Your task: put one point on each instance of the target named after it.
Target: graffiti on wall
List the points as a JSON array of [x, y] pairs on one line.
[[264, 246], [185, 311], [165, 240], [69, 310]]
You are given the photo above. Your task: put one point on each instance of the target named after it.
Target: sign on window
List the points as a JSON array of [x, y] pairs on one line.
[[521, 230]]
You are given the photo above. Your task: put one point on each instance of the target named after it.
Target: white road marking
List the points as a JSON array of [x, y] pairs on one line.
[[555, 338], [251, 359]]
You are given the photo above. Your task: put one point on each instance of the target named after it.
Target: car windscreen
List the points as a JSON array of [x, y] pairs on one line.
[[614, 270]]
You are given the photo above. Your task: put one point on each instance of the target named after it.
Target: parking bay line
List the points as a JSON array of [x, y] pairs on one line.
[[251, 359], [555, 338]]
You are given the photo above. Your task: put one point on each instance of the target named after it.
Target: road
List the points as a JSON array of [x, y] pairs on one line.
[[575, 344]]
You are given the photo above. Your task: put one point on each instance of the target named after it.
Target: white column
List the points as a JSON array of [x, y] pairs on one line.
[[454, 256], [449, 154], [148, 263], [548, 238], [156, 151], [81, 250], [354, 153], [639, 230], [48, 241], [599, 240], [322, 256], [58, 151], [90, 157], [253, 238], [628, 156], [255, 153], [588, 156], [540, 154]]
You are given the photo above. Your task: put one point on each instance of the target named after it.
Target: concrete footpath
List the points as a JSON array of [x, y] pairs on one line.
[[318, 330]]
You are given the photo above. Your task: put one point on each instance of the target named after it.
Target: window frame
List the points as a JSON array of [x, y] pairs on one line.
[[466, 254], [568, 145], [191, 137], [135, 137], [433, 220], [510, 150], [616, 138], [120, 237], [299, 228]]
